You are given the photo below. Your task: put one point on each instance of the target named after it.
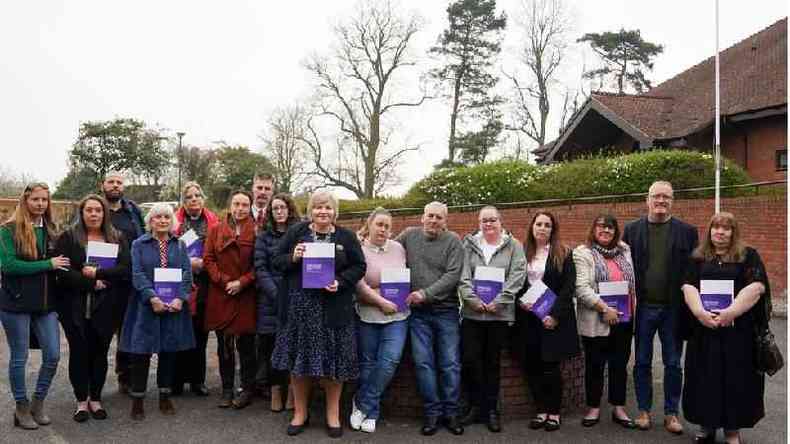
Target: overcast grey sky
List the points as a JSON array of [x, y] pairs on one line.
[[215, 69]]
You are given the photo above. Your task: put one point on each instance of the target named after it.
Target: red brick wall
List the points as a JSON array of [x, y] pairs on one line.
[[764, 222], [752, 144]]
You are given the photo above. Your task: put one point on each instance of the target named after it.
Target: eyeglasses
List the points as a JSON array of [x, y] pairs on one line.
[[605, 227], [661, 197]]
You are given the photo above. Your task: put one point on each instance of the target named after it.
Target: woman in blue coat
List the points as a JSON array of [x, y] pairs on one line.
[[157, 321]]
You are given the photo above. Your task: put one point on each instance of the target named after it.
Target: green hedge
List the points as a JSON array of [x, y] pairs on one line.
[[510, 181]]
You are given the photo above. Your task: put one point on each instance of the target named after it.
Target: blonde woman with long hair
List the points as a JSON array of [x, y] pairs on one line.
[[26, 300]]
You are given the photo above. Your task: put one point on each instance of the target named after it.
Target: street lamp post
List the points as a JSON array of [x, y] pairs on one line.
[[180, 135]]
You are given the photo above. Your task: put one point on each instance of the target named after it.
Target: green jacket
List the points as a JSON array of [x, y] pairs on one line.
[[26, 284]]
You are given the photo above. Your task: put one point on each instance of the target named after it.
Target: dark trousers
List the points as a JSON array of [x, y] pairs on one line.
[[87, 360], [613, 350], [123, 360], [190, 364], [139, 373], [266, 375], [482, 343], [543, 377], [226, 351]]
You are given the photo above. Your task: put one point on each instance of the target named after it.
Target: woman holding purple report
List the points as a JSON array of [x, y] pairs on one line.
[[726, 289], [605, 305], [545, 320], [99, 258], [383, 316], [157, 319], [493, 272], [321, 263]]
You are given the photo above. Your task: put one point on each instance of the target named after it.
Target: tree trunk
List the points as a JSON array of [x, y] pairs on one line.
[[454, 116]]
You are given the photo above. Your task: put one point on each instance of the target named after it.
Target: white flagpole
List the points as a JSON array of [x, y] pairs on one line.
[[717, 147]]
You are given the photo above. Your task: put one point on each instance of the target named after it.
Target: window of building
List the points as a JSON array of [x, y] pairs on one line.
[[781, 160]]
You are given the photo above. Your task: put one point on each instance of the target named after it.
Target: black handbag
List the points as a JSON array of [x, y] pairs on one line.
[[768, 357]]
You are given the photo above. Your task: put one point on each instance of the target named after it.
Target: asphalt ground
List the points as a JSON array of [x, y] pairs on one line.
[[199, 421]]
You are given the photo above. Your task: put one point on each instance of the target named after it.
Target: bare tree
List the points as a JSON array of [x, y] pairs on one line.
[[12, 183], [285, 146], [356, 89], [545, 24]]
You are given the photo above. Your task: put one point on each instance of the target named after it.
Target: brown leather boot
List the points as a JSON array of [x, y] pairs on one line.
[[166, 405], [138, 412], [37, 412], [22, 416]]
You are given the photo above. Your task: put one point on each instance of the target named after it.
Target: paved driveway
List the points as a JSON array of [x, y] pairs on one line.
[[199, 421]]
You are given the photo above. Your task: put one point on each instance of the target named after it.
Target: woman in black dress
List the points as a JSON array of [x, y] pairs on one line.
[[318, 340], [723, 388]]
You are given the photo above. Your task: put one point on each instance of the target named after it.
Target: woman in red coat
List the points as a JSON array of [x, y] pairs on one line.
[[230, 308]]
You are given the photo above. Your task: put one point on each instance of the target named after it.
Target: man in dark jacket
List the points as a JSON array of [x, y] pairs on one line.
[[660, 247], [128, 219]]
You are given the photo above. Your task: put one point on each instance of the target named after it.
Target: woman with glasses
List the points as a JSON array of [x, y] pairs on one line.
[[27, 302], [280, 214], [606, 332], [486, 317]]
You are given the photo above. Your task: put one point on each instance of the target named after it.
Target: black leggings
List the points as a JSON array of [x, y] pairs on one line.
[[87, 360], [267, 375], [190, 364]]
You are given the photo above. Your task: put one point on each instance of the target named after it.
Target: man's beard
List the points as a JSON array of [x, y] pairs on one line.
[[113, 198]]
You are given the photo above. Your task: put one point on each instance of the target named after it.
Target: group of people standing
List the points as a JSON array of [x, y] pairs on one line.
[[241, 276]]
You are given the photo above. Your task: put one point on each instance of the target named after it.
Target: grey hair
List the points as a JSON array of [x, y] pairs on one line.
[[160, 208], [437, 204], [321, 197], [660, 182]]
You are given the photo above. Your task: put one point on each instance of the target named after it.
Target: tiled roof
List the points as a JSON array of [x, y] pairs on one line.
[[753, 77]]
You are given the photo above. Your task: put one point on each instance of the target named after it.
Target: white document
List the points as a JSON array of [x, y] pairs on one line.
[[167, 275], [101, 249], [395, 275], [494, 274], [717, 287], [535, 291], [189, 237], [319, 250], [613, 288]]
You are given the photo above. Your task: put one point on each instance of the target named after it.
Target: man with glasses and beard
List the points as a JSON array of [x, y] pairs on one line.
[[127, 218]]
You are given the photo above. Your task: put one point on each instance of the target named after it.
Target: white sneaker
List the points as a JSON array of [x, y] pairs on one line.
[[368, 425], [357, 417]]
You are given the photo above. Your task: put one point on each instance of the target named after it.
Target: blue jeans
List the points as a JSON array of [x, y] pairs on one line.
[[380, 350], [17, 332], [435, 342], [649, 319]]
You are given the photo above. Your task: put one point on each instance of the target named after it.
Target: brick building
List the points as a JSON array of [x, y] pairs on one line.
[[679, 113]]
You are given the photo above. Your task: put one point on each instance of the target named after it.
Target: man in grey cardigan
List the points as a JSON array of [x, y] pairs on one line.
[[435, 257]]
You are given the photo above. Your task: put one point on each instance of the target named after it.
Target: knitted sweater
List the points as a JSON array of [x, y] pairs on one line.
[[435, 265]]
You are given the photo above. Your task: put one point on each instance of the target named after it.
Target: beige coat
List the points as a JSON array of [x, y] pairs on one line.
[[589, 319]]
